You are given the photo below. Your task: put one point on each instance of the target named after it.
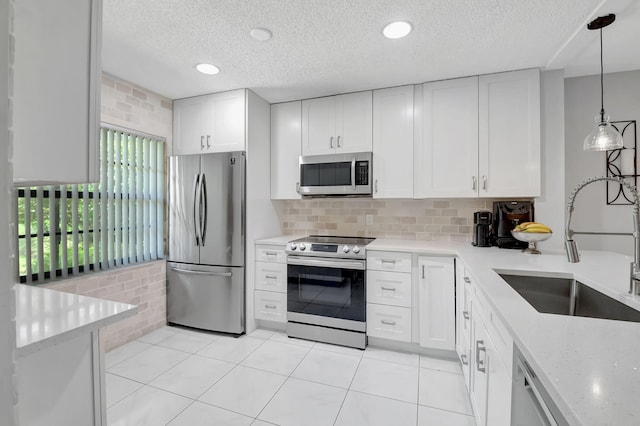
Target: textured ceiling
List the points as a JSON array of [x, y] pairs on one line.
[[323, 47]]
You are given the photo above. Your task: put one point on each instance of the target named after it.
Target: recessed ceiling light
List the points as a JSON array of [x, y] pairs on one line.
[[208, 69], [260, 34], [397, 29]]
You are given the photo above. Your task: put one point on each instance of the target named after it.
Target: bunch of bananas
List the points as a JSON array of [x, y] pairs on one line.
[[533, 227]]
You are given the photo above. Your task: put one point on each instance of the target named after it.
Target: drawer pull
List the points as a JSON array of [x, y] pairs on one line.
[[388, 288], [465, 314], [271, 277], [392, 261], [463, 358], [388, 322], [270, 253], [270, 306], [480, 362], [467, 280]]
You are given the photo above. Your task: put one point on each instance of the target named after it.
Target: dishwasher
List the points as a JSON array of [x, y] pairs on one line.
[[532, 405]]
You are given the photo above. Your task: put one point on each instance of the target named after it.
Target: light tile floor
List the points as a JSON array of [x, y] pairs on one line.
[[174, 376]]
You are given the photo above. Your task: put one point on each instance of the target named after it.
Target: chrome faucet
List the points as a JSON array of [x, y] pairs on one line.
[[572, 250]]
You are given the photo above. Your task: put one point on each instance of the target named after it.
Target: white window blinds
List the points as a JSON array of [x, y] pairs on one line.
[[70, 229]]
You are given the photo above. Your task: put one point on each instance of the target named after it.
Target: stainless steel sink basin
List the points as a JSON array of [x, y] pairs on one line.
[[565, 296]]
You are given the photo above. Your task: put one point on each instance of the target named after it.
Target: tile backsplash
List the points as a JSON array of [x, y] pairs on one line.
[[450, 219]]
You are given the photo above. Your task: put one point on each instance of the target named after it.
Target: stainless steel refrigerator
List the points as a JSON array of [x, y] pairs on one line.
[[205, 268]]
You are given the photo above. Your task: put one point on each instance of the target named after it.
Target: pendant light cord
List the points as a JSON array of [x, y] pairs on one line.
[[601, 81]]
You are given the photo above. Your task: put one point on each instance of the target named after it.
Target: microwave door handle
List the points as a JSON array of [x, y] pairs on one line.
[[353, 173]]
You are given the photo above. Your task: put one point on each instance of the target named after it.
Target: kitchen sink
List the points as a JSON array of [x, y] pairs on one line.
[[566, 296]]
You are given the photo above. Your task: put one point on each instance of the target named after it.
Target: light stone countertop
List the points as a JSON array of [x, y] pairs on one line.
[[590, 367], [46, 317], [280, 240]]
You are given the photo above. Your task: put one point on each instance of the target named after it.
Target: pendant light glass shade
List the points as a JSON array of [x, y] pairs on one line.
[[603, 137]]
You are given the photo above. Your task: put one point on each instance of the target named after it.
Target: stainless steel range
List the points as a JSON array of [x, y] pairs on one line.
[[326, 289]]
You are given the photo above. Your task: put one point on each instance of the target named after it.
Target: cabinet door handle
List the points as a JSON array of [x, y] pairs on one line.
[[376, 186], [479, 362], [270, 306], [208, 144], [474, 183], [339, 141], [465, 314], [331, 142], [464, 360], [484, 183], [388, 322], [467, 280], [423, 276], [298, 187], [271, 277], [387, 288], [201, 142]]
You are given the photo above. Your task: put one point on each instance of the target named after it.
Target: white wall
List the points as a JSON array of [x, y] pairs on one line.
[[582, 103], [550, 207], [7, 300]]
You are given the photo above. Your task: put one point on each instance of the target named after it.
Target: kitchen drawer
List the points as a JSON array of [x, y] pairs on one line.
[[265, 253], [496, 331], [389, 261], [271, 276], [389, 322], [270, 306], [389, 288]]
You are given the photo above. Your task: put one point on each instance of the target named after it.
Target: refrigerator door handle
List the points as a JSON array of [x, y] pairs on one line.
[[187, 271], [196, 192], [203, 196]]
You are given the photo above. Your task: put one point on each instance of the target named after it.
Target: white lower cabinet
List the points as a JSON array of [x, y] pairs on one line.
[[389, 291], [270, 282], [436, 288], [485, 350], [390, 288], [271, 276], [389, 322], [270, 306]]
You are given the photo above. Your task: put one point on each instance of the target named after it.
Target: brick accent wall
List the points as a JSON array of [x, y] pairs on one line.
[[127, 105], [143, 285], [450, 219]]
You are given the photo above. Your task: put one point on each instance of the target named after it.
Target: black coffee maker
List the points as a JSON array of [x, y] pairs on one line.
[[506, 215], [481, 229]]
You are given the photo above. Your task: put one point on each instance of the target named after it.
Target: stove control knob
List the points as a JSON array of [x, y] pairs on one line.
[[293, 246], [345, 249], [302, 246], [356, 249]]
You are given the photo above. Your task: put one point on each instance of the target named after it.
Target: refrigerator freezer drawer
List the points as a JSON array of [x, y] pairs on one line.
[[206, 297]]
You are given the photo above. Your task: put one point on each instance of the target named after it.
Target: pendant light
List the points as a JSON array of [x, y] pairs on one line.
[[604, 136]]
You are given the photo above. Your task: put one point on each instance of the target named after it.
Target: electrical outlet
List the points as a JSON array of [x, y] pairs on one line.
[[369, 219]]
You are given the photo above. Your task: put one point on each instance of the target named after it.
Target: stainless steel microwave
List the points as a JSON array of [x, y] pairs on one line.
[[336, 175]]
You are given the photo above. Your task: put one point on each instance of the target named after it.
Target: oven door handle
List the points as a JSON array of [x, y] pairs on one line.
[[332, 263]]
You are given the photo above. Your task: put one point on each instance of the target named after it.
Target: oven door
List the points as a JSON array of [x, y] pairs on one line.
[[326, 292]]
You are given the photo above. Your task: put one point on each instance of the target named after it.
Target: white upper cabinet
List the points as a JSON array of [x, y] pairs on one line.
[[393, 142], [286, 137], [480, 137], [509, 142], [446, 159], [56, 101], [210, 123], [337, 124]]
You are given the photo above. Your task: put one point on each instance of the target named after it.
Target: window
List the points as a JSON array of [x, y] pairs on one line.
[[68, 229]]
